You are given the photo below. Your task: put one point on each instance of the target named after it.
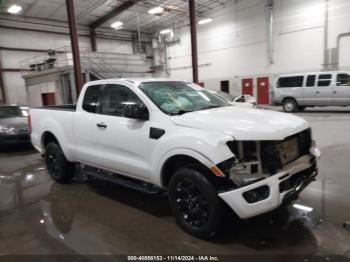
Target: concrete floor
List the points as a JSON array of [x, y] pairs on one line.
[[38, 216]]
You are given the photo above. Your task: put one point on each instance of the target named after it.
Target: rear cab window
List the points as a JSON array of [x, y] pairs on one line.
[[290, 81], [91, 98], [10, 111]]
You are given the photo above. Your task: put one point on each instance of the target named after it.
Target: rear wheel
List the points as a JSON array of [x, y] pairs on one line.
[[195, 203], [59, 168], [290, 105]]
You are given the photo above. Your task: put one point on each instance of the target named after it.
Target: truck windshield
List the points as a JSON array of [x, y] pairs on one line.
[[10, 111], [176, 98]]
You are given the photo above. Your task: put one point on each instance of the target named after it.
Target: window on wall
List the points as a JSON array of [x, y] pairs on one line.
[[225, 86], [324, 80], [290, 81], [310, 81], [343, 80]]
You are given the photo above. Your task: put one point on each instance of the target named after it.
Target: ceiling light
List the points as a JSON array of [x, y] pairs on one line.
[[205, 21], [165, 31], [302, 207], [117, 25], [172, 7], [14, 9], [156, 10]]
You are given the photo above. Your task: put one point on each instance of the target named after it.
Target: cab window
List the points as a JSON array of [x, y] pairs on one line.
[[114, 99], [343, 80]]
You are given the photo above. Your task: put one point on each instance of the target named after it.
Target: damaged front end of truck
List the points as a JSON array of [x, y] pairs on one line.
[[263, 175]]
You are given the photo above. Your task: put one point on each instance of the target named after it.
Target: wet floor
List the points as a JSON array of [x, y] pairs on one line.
[[38, 216]]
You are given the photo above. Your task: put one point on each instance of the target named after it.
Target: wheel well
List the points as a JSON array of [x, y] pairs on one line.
[[289, 97], [176, 162], [48, 137]]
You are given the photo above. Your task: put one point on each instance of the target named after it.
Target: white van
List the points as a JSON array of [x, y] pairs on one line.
[[298, 91]]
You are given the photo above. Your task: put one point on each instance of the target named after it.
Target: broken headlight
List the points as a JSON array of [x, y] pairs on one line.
[[246, 167]]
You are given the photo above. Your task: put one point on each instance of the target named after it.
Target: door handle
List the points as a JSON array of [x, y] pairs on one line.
[[334, 92], [101, 125], [317, 92]]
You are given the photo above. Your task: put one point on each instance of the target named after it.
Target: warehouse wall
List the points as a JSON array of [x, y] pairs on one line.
[[13, 81], [235, 44]]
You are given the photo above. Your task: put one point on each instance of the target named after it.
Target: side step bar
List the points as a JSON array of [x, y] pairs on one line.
[[121, 180]]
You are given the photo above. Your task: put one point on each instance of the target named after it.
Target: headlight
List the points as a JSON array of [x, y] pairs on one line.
[[314, 150], [247, 167], [7, 130]]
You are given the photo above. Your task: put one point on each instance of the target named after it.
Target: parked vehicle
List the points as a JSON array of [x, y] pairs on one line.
[[298, 91], [177, 136], [25, 110], [13, 126], [242, 100]]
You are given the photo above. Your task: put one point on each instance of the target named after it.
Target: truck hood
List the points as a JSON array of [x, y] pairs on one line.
[[244, 123]]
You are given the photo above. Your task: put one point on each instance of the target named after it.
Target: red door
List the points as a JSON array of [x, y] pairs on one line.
[[247, 86], [263, 90]]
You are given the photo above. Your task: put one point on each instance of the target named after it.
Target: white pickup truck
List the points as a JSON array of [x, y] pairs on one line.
[[177, 136]]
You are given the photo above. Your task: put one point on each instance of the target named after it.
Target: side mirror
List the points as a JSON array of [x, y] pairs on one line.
[[136, 111]]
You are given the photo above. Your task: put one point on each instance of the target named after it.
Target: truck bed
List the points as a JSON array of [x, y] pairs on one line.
[[58, 120]]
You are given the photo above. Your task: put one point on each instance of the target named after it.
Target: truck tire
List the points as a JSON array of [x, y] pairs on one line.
[[59, 168], [290, 105], [195, 203]]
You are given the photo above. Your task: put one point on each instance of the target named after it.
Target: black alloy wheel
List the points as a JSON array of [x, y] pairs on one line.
[[59, 168], [195, 203], [191, 203]]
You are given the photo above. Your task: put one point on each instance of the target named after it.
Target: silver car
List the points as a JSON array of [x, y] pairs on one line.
[[14, 127], [298, 91]]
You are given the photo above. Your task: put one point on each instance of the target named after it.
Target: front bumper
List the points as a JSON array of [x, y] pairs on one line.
[[283, 187], [14, 139]]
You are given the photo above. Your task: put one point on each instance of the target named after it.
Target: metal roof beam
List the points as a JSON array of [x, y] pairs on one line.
[[118, 10]]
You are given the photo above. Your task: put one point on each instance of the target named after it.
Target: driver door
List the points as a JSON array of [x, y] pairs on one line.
[[123, 142]]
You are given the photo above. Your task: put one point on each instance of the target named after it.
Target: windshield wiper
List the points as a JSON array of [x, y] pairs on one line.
[[180, 112], [209, 107]]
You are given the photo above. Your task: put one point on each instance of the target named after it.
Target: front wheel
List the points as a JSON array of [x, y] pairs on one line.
[[59, 168], [195, 203], [290, 105]]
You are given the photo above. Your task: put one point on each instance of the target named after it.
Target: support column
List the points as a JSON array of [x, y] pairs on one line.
[[2, 84], [75, 45], [93, 40], [325, 40], [194, 40]]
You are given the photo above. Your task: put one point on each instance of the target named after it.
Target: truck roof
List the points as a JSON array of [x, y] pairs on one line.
[[137, 80]]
